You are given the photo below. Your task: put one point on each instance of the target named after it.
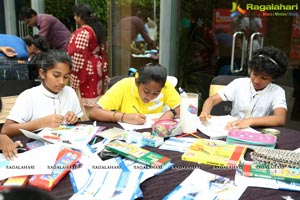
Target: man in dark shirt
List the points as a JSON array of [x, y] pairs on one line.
[[126, 32], [53, 30]]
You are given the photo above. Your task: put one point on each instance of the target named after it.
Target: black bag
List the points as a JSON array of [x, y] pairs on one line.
[[13, 69]]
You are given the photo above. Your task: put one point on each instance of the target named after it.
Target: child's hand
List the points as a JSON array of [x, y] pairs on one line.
[[204, 116], [8, 51], [238, 124], [70, 118], [9, 148], [53, 121], [134, 118]]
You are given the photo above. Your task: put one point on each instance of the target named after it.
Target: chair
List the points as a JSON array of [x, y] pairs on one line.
[[9, 91], [218, 83], [173, 80], [7, 104]]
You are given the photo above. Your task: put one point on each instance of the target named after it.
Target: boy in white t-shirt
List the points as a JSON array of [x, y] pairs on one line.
[[256, 101]]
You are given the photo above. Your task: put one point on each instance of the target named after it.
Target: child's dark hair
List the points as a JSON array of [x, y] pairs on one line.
[[19, 193], [85, 12], [47, 60], [38, 40], [152, 72], [26, 13], [269, 60]]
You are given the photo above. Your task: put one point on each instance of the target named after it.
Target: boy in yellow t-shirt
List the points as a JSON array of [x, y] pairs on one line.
[[130, 98]]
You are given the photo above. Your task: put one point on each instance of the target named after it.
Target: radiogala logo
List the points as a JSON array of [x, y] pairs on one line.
[[276, 8]]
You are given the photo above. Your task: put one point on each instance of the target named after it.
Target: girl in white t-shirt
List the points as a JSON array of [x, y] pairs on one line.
[[256, 101], [49, 104]]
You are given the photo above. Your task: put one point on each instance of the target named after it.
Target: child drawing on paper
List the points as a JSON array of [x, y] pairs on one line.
[[50, 104], [256, 101], [130, 99]]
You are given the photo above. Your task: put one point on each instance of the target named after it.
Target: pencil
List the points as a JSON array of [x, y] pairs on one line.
[[196, 136], [94, 141], [136, 109]]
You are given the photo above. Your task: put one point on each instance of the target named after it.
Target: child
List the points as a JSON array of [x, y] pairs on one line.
[[256, 101], [49, 104], [130, 98], [8, 147]]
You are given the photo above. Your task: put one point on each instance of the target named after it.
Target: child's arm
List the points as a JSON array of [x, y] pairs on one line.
[[70, 118], [277, 119], [100, 114], [12, 128], [208, 105], [8, 147], [169, 114]]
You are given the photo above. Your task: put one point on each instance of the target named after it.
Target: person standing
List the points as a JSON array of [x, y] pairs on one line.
[[15, 52], [51, 28], [124, 34], [87, 50]]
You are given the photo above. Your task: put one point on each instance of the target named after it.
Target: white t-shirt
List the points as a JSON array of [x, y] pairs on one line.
[[247, 102], [38, 102]]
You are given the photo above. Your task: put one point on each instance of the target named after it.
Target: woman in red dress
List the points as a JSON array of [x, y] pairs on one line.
[[86, 48]]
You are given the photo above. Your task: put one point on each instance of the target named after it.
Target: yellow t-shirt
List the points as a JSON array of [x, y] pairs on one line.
[[123, 96]]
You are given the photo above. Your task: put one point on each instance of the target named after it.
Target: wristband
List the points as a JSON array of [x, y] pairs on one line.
[[122, 117], [174, 112], [114, 116]]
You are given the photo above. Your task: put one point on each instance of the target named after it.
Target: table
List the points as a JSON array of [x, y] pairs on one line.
[[159, 186], [139, 61]]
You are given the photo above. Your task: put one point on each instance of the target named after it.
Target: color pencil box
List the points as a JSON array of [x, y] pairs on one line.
[[276, 158], [66, 159], [251, 137], [166, 128]]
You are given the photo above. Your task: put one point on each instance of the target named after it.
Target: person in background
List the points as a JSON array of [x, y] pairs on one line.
[[16, 52], [256, 101], [35, 44], [13, 46], [48, 105], [131, 98], [54, 31], [89, 75], [8, 51], [8, 147], [123, 36]]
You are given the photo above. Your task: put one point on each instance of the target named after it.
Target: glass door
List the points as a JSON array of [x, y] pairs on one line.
[[239, 32], [218, 37]]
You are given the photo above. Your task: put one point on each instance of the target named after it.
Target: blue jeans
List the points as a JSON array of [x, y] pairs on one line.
[[11, 69]]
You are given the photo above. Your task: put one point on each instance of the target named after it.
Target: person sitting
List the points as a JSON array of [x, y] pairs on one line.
[[256, 101], [131, 98], [51, 103]]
